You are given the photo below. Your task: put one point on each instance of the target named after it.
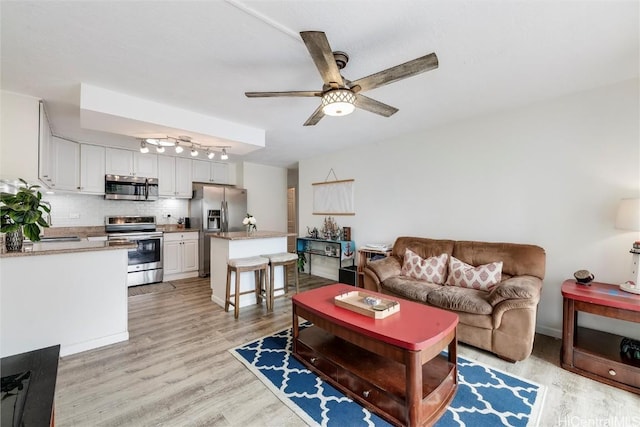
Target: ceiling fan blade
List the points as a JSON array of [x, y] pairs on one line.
[[320, 51], [315, 117], [302, 93], [374, 106], [393, 74]]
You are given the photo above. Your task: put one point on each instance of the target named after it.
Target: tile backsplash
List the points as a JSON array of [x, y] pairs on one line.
[[73, 210]]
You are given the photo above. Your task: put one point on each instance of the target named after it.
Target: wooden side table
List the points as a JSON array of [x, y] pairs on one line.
[[596, 354], [364, 255]]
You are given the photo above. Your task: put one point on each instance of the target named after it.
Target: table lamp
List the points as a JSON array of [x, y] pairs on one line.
[[628, 218]]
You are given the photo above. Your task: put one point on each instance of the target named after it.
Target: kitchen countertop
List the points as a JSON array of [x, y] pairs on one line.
[[52, 248], [243, 235], [172, 228]]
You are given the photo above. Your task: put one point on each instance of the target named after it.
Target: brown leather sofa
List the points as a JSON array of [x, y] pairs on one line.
[[501, 320]]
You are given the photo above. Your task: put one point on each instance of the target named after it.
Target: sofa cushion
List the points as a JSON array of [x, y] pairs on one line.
[[460, 299], [483, 277], [432, 269], [409, 288]]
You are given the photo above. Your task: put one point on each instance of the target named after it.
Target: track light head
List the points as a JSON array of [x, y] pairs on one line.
[[143, 147]]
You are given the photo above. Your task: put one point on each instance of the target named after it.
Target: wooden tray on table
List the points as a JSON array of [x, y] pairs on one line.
[[357, 301]]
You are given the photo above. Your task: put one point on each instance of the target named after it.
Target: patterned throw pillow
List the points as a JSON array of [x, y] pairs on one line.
[[431, 269], [483, 277]]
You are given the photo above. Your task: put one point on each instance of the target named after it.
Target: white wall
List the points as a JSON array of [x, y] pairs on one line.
[[549, 174], [267, 195], [75, 210], [19, 130]]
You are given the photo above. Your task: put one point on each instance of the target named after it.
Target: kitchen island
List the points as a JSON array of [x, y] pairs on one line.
[[68, 293], [240, 244]]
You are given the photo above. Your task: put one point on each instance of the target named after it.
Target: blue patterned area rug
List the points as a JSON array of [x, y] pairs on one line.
[[485, 397]]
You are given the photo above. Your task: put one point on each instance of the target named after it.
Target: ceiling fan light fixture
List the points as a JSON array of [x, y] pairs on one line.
[[210, 154], [194, 152], [338, 102], [179, 149], [160, 149], [224, 155]]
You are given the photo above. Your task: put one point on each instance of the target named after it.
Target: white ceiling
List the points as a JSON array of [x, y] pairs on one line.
[[202, 56]]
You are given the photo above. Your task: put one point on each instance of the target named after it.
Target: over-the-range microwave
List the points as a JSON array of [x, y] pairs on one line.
[[120, 187]]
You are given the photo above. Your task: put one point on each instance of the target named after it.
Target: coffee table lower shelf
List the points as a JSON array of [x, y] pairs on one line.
[[376, 382]]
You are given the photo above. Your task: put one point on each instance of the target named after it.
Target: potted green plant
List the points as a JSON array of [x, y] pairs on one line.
[[21, 214]]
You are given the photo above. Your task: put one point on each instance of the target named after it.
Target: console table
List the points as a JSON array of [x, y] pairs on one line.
[[596, 354], [341, 250]]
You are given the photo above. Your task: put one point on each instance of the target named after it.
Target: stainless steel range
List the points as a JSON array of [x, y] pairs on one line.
[[145, 260]]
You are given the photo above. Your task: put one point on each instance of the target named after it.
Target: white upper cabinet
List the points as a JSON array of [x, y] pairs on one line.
[[67, 165], [46, 153], [166, 176], [92, 169], [183, 177], [213, 172], [119, 162], [174, 177], [131, 163], [145, 165]]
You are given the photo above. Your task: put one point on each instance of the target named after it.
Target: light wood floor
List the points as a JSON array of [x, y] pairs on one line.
[[175, 370]]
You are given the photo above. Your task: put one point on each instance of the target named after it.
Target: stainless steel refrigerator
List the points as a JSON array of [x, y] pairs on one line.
[[215, 208]]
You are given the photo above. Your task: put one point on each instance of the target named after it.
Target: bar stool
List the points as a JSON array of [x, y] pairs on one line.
[[283, 259], [259, 265]]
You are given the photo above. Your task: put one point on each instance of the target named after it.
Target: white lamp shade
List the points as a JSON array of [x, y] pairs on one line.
[[338, 102], [628, 216]]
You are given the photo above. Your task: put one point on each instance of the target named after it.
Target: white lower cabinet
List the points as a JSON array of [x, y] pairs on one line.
[[180, 254]]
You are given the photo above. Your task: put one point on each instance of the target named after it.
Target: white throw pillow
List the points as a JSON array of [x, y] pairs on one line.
[[483, 277], [432, 269]]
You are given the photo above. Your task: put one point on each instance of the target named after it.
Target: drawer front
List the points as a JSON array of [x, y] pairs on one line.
[[317, 361], [387, 402], [612, 370], [177, 237]]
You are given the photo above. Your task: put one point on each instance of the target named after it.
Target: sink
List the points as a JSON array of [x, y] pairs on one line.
[[60, 239]]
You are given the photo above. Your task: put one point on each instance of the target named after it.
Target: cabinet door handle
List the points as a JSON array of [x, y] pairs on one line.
[[366, 393], [612, 372], [314, 360]]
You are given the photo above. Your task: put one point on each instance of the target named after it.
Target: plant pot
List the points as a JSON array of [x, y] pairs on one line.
[[13, 241]]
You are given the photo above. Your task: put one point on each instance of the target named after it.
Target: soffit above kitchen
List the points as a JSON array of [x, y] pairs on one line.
[[108, 111], [202, 56]]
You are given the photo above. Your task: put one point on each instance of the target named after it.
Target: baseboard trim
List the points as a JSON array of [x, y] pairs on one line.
[[66, 350], [552, 332]]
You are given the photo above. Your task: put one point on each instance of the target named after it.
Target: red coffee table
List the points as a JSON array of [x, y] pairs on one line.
[[392, 366]]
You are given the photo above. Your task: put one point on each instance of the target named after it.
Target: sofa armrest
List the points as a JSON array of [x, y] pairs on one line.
[[384, 268], [518, 287]]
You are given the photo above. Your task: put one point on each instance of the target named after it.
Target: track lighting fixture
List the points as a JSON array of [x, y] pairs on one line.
[[179, 143], [143, 147]]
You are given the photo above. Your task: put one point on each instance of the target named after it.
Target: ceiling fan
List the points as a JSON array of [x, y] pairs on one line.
[[339, 95]]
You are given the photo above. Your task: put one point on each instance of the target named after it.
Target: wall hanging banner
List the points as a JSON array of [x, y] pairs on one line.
[[334, 197]]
